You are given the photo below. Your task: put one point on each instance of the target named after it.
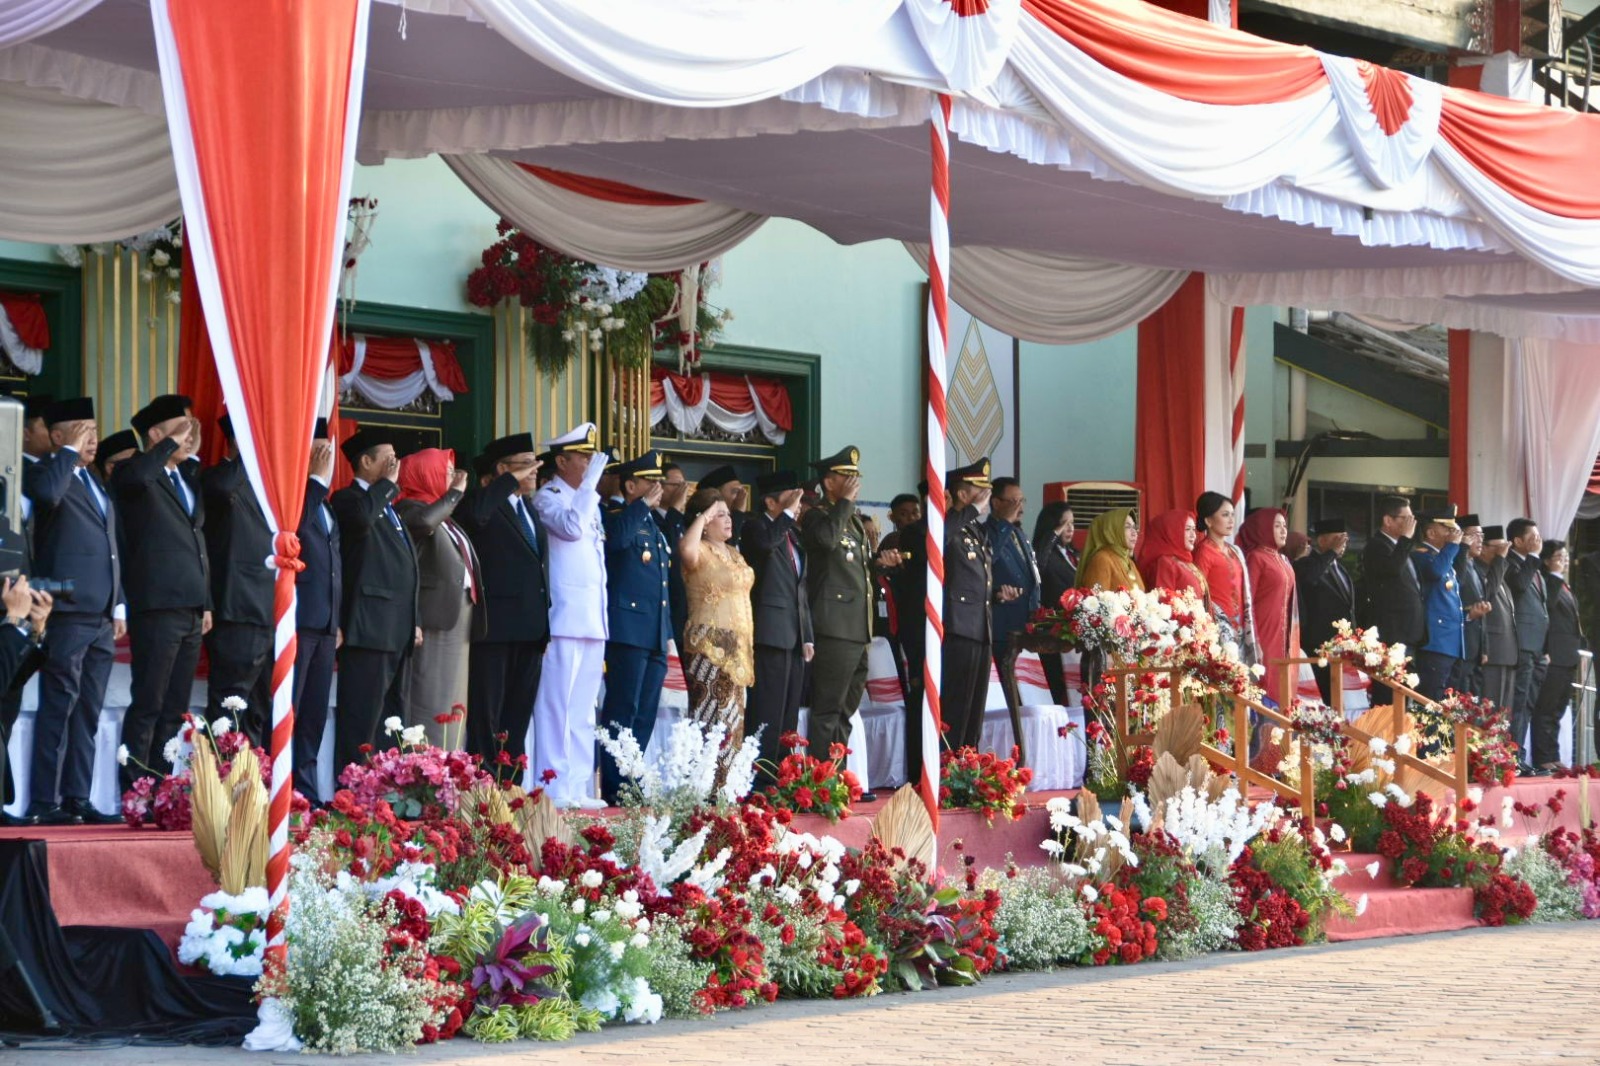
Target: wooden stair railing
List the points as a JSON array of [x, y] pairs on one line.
[[1238, 760], [1457, 778]]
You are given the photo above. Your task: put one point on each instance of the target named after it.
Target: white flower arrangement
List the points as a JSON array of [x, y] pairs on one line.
[[684, 774], [227, 934], [1216, 833]]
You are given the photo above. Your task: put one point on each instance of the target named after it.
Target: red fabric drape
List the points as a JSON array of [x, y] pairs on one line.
[[1169, 432], [259, 100], [731, 392], [1541, 155], [774, 397], [27, 318], [601, 189], [397, 357], [1460, 387], [197, 364], [1183, 57]]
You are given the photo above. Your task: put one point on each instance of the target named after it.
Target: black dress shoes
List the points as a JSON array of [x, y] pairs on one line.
[[16, 821], [52, 814], [88, 815]]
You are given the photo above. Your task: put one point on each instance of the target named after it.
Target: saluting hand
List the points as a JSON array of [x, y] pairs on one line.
[[322, 459], [852, 488], [391, 469], [458, 481]]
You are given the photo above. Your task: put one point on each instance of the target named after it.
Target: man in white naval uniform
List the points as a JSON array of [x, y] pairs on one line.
[[574, 663]]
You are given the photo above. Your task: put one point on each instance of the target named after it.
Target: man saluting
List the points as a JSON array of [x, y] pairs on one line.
[[379, 600]]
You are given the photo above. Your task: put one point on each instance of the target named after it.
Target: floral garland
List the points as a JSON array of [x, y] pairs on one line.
[[808, 785], [1491, 753], [1362, 648], [577, 307]]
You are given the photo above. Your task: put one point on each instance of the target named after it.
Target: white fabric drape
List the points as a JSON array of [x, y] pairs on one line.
[[1496, 487], [21, 20], [627, 236], [714, 53], [1389, 161], [75, 172], [1221, 461], [1561, 420], [968, 49], [28, 360], [394, 393], [1053, 299]]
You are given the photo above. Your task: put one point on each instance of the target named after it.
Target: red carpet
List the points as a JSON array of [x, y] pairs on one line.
[[1393, 910], [113, 875]]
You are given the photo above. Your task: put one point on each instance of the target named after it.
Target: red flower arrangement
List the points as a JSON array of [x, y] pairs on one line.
[[1491, 754], [1124, 925], [164, 803], [807, 785], [418, 782], [1273, 918], [984, 782]]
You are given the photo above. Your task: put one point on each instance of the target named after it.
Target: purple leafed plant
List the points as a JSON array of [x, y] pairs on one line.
[[504, 976]]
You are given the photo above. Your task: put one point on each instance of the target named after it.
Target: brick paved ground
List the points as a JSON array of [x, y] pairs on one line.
[[1482, 996]]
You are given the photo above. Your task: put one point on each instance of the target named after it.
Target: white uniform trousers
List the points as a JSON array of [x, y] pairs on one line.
[[563, 718]]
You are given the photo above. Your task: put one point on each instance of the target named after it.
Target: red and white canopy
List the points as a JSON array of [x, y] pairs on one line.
[[1102, 131]]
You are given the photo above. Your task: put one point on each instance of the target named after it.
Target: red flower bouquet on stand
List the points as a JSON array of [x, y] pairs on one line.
[[806, 785], [984, 782]]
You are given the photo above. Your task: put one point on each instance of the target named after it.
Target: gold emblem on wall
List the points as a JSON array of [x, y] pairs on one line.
[[977, 418]]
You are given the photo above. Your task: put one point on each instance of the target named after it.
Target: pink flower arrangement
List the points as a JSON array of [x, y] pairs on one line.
[[414, 779]]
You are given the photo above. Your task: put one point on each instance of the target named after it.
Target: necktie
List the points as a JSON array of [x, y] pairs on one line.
[[794, 552], [525, 521], [393, 516], [460, 542], [88, 486], [327, 518], [1538, 582], [183, 497]]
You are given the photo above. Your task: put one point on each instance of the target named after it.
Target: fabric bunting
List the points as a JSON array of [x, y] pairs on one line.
[[734, 403], [391, 372], [24, 331]]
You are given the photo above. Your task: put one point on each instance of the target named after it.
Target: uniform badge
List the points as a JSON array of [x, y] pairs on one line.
[[646, 556]]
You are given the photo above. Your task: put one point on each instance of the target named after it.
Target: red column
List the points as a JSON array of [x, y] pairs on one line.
[[1170, 424]]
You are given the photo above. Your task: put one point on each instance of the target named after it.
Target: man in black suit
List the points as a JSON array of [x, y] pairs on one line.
[[1391, 590], [167, 575], [379, 602], [318, 589], [1327, 595], [1016, 572], [75, 539], [1529, 592], [968, 624], [117, 448], [238, 543], [505, 663], [1562, 643], [670, 518], [784, 642]]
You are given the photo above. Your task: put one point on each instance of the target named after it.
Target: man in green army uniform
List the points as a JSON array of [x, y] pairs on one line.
[[839, 583]]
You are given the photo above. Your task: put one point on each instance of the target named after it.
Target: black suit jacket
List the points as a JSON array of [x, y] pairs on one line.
[[238, 543], [1058, 572], [380, 571], [672, 523], [319, 587], [1472, 592], [778, 598], [1565, 638], [72, 539], [1392, 592], [1327, 595], [1530, 590], [166, 565], [516, 573]]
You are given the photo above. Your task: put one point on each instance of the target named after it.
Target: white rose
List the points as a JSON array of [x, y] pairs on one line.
[[160, 258], [122, 755], [591, 879], [580, 905], [414, 735], [393, 724]]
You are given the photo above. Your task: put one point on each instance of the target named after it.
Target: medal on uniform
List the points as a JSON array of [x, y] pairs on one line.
[[849, 557], [646, 556], [1449, 584], [972, 555]]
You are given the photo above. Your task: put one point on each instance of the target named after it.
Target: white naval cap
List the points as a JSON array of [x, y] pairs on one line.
[[584, 439]]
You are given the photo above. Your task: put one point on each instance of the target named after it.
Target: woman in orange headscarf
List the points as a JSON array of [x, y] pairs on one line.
[[1166, 554], [1272, 594], [449, 597]]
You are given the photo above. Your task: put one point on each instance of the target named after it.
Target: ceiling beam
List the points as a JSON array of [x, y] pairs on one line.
[[1436, 25]]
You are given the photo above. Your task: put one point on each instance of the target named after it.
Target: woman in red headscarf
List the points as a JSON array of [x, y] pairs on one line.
[[1166, 555], [449, 598], [1272, 593]]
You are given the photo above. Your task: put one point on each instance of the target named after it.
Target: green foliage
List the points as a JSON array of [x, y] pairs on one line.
[[1215, 920], [1289, 861], [1559, 899], [675, 975]]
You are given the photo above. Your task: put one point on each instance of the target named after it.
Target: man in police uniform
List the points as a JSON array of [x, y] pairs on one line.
[[1442, 658], [968, 626], [512, 550], [839, 583], [638, 562], [568, 507], [378, 603]]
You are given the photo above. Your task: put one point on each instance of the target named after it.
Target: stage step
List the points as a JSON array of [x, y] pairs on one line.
[[1405, 912]]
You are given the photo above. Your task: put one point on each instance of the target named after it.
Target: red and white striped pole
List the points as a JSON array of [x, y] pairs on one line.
[[1236, 383], [933, 464]]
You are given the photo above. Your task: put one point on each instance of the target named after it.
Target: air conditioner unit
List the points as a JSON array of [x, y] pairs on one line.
[[1091, 499]]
